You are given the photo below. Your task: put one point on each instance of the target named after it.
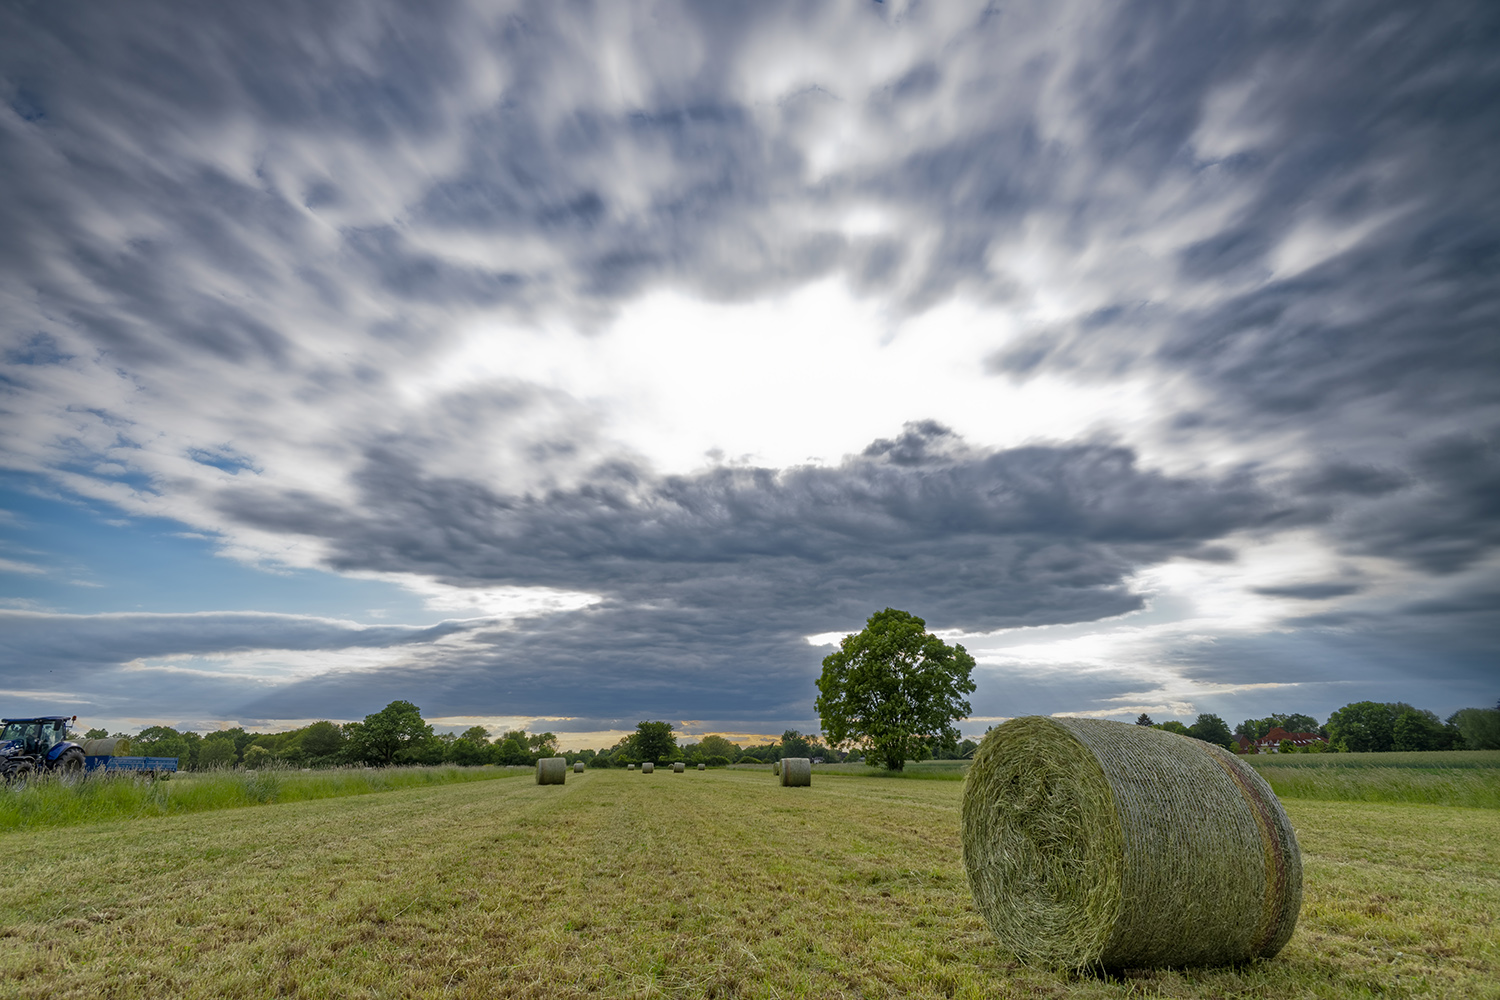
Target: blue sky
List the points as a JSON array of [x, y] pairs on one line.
[[566, 365]]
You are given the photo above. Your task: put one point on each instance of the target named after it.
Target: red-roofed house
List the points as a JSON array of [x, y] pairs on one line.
[[1271, 742]]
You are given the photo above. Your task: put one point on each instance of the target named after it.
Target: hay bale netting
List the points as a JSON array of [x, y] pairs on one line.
[[114, 746], [578, 767], [702, 767], [1096, 844], [552, 771], [796, 771], [678, 767], [647, 767]]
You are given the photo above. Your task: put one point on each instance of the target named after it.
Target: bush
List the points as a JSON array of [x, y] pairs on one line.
[[716, 761]]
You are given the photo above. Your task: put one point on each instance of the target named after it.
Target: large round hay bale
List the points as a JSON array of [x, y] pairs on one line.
[[702, 767], [776, 768], [113, 746], [578, 767], [677, 767], [630, 767], [1096, 844], [647, 767], [552, 771], [796, 771]]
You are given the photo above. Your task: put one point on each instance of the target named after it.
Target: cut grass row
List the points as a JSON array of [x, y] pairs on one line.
[[717, 884], [48, 801]]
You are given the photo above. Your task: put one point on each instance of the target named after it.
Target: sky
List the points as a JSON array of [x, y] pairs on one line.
[[566, 365]]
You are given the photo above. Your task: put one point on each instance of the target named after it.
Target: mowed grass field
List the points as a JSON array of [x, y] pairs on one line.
[[711, 884]]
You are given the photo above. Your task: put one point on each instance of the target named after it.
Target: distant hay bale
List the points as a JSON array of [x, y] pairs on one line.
[[677, 767], [702, 766], [552, 771], [114, 746], [647, 767], [630, 767], [796, 771], [1096, 844], [776, 767], [578, 767]]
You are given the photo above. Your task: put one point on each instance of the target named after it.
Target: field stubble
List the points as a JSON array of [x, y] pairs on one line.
[[718, 884]]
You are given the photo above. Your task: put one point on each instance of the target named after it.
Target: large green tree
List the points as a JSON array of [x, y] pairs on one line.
[[1419, 729], [388, 735], [1480, 727], [471, 748], [1211, 729], [323, 741], [1365, 726], [894, 689], [718, 746], [161, 741], [654, 741], [794, 744]]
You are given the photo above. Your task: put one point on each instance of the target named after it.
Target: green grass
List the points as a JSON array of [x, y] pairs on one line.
[[715, 884], [1434, 759], [1474, 788], [52, 802]]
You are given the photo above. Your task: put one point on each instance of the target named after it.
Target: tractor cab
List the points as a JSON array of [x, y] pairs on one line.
[[35, 736]]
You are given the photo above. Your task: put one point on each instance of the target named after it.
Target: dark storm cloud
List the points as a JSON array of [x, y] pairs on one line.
[[90, 656], [721, 575], [1353, 656], [87, 641]]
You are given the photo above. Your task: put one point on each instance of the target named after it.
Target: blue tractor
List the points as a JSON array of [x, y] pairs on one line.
[[31, 746]]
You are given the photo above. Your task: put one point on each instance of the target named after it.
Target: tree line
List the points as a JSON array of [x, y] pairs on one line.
[[397, 734], [1359, 727]]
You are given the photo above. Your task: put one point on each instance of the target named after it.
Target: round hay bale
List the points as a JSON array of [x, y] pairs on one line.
[[647, 767], [776, 767], [796, 771], [113, 746], [702, 767], [578, 767], [552, 771], [1096, 844], [630, 767], [677, 767]]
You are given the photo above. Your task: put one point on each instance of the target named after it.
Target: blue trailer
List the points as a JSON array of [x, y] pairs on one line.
[[151, 766]]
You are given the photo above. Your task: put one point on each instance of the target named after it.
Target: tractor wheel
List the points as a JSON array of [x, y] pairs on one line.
[[18, 774], [70, 764]]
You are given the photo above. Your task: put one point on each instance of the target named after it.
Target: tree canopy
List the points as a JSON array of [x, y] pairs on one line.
[[1292, 722], [894, 689], [654, 741], [1211, 729], [1480, 727], [389, 734], [1376, 726]]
